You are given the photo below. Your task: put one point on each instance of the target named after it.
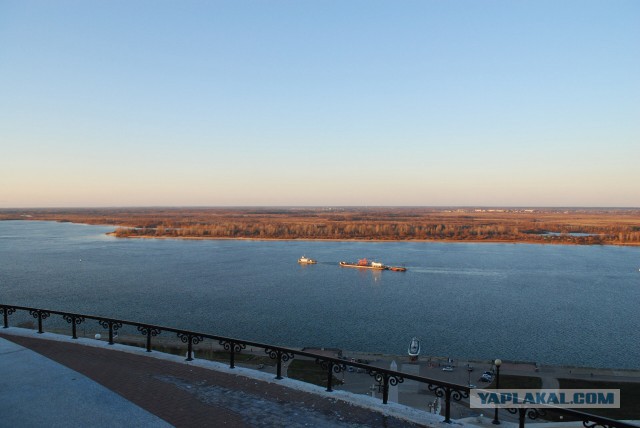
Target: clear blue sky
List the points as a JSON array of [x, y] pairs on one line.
[[510, 103]]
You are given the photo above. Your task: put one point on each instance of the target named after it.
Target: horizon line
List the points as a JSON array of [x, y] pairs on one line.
[[85, 207]]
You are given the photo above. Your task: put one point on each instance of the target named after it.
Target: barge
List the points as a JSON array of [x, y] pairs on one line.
[[366, 264]]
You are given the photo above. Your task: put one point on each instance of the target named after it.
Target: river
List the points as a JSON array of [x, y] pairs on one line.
[[552, 304]]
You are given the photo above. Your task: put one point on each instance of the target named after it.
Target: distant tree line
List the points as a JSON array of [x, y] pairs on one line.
[[594, 226], [389, 231]]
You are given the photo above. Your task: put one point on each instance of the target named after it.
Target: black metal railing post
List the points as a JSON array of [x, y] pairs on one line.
[[74, 334], [384, 379], [449, 392], [279, 371], [329, 377], [447, 405], [40, 315], [332, 367], [385, 388], [112, 326], [74, 320], [279, 355], [523, 412], [190, 339], [232, 356], [6, 311], [521, 416], [149, 332], [233, 347]]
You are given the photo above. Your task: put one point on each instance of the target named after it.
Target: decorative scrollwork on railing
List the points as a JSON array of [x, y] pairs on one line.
[[458, 395], [281, 357], [438, 390], [73, 319], [237, 347], [530, 413], [40, 315], [379, 377], [114, 325], [148, 331], [37, 313], [284, 356], [337, 367], [394, 380], [190, 339], [385, 379], [441, 391], [194, 339], [8, 310], [535, 413], [376, 375]]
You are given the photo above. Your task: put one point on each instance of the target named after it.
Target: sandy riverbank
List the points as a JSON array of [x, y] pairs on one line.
[[451, 241]]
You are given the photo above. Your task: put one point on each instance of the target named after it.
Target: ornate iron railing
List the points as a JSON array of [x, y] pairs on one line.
[[385, 377]]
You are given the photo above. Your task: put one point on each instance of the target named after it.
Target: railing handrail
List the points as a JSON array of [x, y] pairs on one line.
[[384, 376], [246, 342]]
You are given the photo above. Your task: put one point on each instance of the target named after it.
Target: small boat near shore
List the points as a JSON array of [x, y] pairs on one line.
[[366, 264], [304, 260], [414, 349]]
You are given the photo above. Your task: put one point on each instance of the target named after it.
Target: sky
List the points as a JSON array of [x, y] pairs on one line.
[[319, 103]]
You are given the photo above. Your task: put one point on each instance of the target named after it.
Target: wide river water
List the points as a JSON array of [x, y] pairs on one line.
[[552, 304]]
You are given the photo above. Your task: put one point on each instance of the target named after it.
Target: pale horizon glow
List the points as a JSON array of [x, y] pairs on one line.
[[331, 103]]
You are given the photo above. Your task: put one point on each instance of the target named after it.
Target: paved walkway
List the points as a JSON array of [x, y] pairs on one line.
[[36, 391], [47, 382]]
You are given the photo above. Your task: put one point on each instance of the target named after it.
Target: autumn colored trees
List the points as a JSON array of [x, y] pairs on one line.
[[565, 226]]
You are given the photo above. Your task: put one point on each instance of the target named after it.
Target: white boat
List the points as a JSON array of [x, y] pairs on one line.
[[414, 348], [306, 261]]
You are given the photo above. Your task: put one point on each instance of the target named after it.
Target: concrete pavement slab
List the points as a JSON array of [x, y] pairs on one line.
[[36, 392]]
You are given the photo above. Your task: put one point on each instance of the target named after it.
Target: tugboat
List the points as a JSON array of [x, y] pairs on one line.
[[306, 261], [414, 349]]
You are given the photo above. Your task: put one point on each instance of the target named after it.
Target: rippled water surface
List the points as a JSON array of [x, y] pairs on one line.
[[574, 305]]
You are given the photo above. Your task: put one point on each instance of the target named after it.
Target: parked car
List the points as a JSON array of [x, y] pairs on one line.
[[488, 373], [486, 378], [447, 369]]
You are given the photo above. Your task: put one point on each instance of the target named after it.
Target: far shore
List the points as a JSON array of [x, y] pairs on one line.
[[556, 226], [449, 241]]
